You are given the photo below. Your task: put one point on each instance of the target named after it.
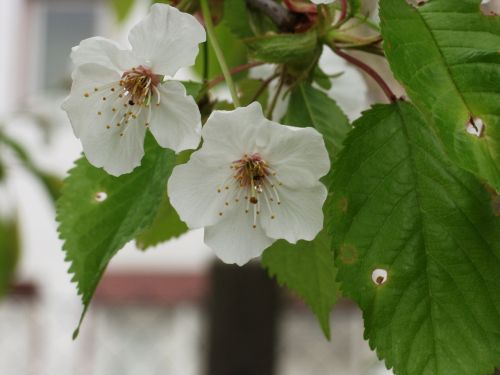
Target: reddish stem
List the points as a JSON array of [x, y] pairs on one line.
[[235, 70], [300, 7], [264, 86], [343, 11], [368, 70]]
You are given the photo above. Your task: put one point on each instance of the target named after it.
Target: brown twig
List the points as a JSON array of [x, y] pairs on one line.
[[274, 101], [264, 86], [368, 70]]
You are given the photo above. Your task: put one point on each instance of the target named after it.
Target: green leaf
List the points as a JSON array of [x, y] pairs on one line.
[[307, 268], [447, 55], [9, 253], [166, 225], [322, 79], [235, 53], [402, 206], [249, 88], [311, 107], [285, 48], [122, 8], [192, 88], [93, 231], [237, 19]]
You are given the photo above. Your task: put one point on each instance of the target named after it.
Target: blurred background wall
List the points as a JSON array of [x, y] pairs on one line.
[[154, 312]]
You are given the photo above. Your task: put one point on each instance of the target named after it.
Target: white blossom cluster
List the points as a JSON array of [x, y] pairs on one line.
[[252, 182]]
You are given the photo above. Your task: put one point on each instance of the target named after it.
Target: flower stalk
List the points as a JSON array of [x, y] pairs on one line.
[[218, 52], [343, 13], [368, 70]]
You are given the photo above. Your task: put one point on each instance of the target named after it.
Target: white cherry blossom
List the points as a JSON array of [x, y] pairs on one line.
[[252, 182], [117, 94]]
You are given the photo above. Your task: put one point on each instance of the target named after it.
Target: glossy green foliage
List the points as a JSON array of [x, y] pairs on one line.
[[311, 107], [297, 49], [99, 213], [253, 89], [402, 206], [234, 50], [446, 54], [307, 269], [166, 225], [236, 17]]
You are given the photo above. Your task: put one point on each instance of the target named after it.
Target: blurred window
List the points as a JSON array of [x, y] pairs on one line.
[[64, 29], [62, 26]]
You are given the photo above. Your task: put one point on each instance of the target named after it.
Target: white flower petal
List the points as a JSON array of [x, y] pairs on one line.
[[236, 145], [116, 150], [102, 51], [167, 39], [322, 1], [176, 122], [96, 124], [234, 240], [298, 217], [193, 191], [83, 104], [298, 155], [228, 135]]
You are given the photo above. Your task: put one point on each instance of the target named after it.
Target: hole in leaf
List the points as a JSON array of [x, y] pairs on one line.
[[379, 276], [101, 196], [475, 126], [490, 7]]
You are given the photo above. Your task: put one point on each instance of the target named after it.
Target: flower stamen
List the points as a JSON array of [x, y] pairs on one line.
[[254, 175], [139, 83]]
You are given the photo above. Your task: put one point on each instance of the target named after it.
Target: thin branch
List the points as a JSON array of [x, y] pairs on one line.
[[368, 70], [233, 71], [264, 86], [274, 101], [218, 51], [343, 12], [371, 49]]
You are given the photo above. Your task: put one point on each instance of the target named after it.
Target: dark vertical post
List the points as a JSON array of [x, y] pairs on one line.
[[243, 321]]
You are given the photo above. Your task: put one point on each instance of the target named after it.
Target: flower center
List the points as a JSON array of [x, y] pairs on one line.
[[251, 172], [123, 101], [139, 83], [254, 177]]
